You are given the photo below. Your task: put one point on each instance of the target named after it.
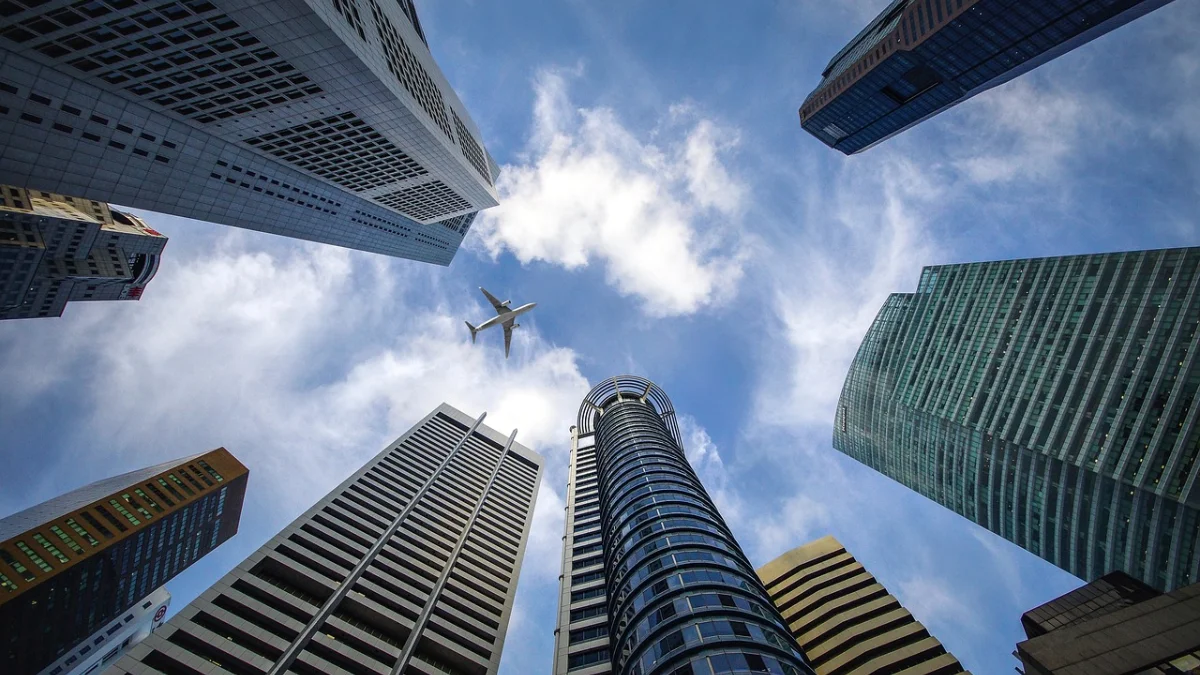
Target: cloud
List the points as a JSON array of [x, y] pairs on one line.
[[1028, 129], [660, 215], [866, 237], [933, 604]]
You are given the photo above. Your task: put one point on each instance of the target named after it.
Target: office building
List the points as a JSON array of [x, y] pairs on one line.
[[55, 248], [653, 582], [327, 121], [919, 57], [845, 621], [98, 650], [1051, 400], [82, 560], [1113, 626], [409, 566]]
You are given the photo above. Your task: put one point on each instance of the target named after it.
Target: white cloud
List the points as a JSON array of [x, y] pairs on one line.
[[659, 215], [934, 605], [1029, 128], [277, 355], [866, 238]]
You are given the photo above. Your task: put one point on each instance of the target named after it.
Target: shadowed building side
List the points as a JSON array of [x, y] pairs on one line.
[[76, 562], [845, 621], [920, 57]]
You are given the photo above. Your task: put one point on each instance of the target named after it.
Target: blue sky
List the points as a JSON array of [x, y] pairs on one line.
[[665, 210]]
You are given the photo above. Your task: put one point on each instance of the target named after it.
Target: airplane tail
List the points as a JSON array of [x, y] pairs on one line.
[[473, 330]]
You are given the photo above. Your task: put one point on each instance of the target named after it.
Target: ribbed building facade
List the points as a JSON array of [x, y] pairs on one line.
[[83, 560], [408, 567], [1051, 400], [56, 248], [919, 57], [653, 581], [324, 120], [845, 621]]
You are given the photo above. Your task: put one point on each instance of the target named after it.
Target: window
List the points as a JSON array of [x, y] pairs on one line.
[[50, 548], [583, 659], [124, 511], [66, 538], [590, 633], [33, 556]]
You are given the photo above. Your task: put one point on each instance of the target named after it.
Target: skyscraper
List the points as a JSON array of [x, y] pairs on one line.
[[653, 582], [1113, 626], [322, 120], [409, 566], [77, 562], [55, 248], [1052, 401], [96, 651], [846, 621], [919, 57]]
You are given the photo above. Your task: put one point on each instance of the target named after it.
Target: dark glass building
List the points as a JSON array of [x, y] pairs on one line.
[[1050, 400], [919, 57], [1113, 626], [408, 567], [653, 581], [75, 563]]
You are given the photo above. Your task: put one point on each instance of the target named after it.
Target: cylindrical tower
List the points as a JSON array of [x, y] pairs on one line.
[[682, 597]]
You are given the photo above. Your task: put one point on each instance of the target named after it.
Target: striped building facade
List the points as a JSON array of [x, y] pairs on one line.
[[408, 567], [846, 621]]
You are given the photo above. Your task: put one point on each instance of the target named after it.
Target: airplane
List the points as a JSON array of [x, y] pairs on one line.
[[504, 316]]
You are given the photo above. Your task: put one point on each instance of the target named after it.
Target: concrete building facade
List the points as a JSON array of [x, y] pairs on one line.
[[75, 563], [98, 650], [845, 621], [920, 57], [409, 566], [1051, 400], [1113, 626], [653, 581], [56, 248], [324, 120]]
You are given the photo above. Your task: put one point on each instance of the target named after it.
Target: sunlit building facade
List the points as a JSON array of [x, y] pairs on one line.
[[919, 57], [1050, 400], [409, 566], [321, 120], [653, 581], [55, 249], [845, 620], [83, 560]]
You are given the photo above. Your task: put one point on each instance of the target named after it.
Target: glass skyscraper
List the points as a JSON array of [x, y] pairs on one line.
[[326, 120], [919, 57], [653, 581], [408, 567], [1050, 400]]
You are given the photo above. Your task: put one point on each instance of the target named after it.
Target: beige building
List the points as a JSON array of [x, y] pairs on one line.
[[846, 621]]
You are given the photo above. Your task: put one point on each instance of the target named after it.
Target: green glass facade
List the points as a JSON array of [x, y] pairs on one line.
[[1051, 400]]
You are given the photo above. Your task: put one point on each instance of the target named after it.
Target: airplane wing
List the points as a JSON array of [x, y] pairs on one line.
[[499, 306], [508, 329]]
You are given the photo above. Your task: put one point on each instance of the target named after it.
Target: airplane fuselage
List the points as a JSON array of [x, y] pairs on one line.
[[500, 319]]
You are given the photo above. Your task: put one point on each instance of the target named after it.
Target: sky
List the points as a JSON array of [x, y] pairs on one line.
[[661, 204]]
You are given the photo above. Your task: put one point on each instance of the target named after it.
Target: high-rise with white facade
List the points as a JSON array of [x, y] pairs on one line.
[[55, 249], [653, 582], [324, 120], [408, 567]]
